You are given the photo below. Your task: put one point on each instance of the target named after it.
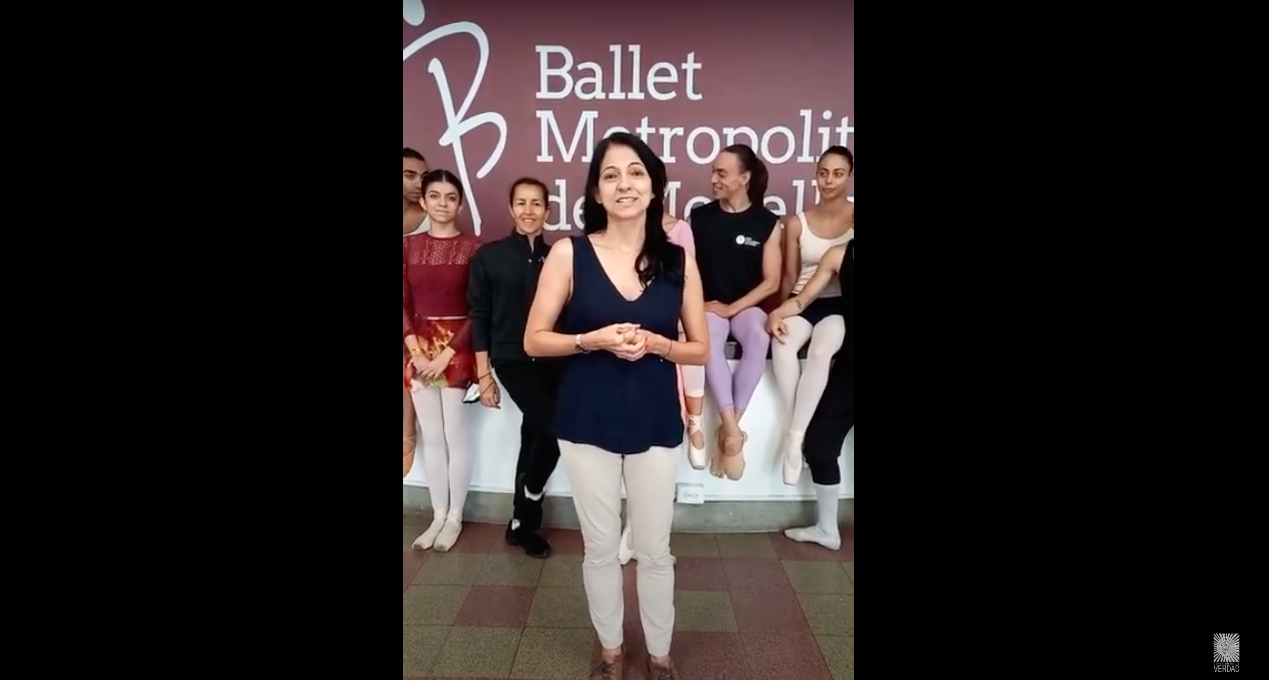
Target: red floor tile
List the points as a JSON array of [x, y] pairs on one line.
[[700, 573], [411, 563], [803, 552], [774, 640], [496, 607], [713, 656], [757, 576], [479, 538], [784, 656], [769, 612], [565, 542]]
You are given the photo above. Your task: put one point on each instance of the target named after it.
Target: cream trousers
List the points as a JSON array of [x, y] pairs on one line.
[[596, 477]]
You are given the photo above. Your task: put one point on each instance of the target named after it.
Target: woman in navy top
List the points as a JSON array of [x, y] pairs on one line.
[[612, 300]]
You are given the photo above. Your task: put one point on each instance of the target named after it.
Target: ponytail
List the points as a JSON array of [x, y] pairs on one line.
[[759, 178]]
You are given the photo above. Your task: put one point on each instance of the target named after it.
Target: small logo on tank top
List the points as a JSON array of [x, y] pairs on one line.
[[743, 240]]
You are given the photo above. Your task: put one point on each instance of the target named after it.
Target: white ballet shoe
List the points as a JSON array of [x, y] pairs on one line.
[[626, 552], [698, 458], [450, 531], [831, 540], [793, 458], [428, 539]]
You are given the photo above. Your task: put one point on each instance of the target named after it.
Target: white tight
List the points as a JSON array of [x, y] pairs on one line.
[[801, 391], [447, 460]]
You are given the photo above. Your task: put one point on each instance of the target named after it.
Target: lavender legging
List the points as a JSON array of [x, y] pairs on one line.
[[749, 329]]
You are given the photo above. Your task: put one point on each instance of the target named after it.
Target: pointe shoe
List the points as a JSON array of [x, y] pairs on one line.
[[698, 458], [733, 459], [793, 458], [716, 458], [428, 539], [626, 552], [450, 531]]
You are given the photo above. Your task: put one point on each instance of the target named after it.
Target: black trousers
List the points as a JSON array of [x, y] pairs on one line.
[[534, 387], [833, 421]]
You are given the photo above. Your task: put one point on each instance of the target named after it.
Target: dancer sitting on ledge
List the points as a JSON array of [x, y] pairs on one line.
[[738, 250], [807, 239], [834, 419], [691, 379]]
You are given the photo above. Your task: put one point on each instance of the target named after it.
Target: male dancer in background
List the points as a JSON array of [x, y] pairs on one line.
[[413, 221], [413, 216]]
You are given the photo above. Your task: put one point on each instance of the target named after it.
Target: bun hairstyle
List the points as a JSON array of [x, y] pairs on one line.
[[843, 152], [445, 177], [659, 258], [759, 178]]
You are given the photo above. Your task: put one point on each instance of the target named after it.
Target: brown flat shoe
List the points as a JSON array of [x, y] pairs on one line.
[[666, 672], [610, 671]]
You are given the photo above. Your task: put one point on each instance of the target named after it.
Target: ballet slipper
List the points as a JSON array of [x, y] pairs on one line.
[[427, 540], [449, 533], [815, 535]]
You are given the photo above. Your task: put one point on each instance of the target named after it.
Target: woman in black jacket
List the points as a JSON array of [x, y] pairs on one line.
[[504, 280]]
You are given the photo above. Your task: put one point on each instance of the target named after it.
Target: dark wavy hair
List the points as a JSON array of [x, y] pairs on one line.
[[759, 178], [439, 176], [659, 257]]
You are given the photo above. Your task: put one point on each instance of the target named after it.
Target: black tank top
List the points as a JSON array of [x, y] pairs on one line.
[[729, 249]]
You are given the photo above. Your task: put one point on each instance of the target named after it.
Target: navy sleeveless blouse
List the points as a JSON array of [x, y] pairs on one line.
[[615, 405]]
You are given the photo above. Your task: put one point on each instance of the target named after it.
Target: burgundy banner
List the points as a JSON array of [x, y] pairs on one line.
[[497, 91]]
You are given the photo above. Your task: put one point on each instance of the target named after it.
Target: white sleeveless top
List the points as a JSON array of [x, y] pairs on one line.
[[814, 249], [425, 227]]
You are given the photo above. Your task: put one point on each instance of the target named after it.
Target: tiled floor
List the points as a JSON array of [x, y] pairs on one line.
[[749, 607]]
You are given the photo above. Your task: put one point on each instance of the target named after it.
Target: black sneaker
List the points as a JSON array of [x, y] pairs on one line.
[[533, 545]]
